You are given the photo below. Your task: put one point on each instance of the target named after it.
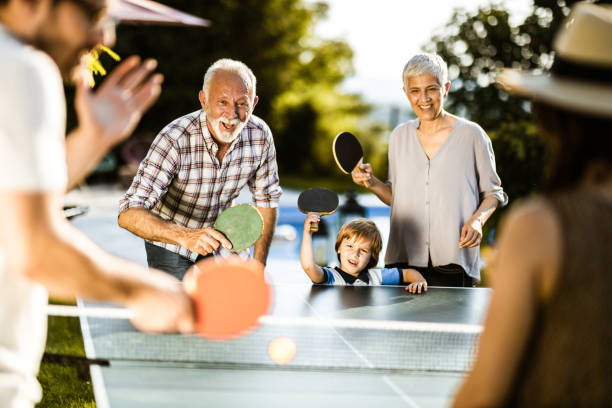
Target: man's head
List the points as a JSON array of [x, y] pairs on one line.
[[228, 98], [358, 244], [426, 84], [64, 29]]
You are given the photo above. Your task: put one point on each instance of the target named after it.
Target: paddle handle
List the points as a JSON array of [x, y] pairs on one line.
[[365, 183], [90, 311], [314, 226]]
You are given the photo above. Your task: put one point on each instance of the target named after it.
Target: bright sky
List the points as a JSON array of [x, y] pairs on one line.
[[384, 34]]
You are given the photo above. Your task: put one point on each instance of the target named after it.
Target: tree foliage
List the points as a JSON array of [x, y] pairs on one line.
[[476, 46], [297, 73]]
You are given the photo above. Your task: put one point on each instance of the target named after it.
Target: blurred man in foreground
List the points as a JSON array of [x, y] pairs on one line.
[[41, 41]]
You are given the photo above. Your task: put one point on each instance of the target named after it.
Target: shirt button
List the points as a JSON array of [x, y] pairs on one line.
[[427, 202], [427, 243]]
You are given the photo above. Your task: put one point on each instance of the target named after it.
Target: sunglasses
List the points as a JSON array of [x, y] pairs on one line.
[[95, 11]]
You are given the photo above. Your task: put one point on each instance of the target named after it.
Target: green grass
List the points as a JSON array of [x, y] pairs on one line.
[[63, 386]]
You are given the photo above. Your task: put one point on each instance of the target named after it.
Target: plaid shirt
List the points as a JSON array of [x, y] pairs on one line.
[[182, 180]]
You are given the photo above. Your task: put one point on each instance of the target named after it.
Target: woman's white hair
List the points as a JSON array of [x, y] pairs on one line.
[[229, 65], [421, 64]]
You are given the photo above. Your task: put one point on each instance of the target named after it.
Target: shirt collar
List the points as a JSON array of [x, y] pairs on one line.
[[417, 122], [209, 141], [350, 279]]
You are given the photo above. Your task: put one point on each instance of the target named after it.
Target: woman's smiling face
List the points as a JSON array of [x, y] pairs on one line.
[[426, 96]]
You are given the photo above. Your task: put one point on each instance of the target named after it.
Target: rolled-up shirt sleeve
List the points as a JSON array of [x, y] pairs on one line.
[[264, 185], [489, 181], [154, 175]]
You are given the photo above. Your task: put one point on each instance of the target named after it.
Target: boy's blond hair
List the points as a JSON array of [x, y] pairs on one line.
[[362, 228]]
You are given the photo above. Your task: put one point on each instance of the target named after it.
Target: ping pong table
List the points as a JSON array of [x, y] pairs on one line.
[[352, 349]]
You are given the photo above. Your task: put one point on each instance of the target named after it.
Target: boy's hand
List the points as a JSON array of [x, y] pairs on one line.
[[311, 218], [417, 287]]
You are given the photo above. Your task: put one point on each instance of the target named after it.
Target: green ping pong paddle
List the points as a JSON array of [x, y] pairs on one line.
[[241, 224]]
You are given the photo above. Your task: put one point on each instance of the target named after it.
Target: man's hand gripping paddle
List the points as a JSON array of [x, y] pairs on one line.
[[229, 296]]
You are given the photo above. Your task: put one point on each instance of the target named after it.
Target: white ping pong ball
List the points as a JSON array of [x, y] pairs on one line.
[[282, 350]]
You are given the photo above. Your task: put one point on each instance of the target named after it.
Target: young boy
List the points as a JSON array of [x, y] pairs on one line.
[[358, 245]]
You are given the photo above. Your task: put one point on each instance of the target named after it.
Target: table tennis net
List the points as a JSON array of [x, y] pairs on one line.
[[322, 344]]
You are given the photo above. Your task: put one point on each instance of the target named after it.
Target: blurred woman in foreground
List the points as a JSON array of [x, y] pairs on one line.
[[547, 335]]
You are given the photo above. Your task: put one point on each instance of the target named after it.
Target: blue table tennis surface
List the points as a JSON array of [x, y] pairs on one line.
[[329, 369]]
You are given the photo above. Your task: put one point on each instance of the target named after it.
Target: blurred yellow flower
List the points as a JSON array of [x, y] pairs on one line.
[[93, 64]]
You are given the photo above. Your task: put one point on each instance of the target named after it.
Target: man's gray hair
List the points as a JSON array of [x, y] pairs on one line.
[[431, 64], [229, 65]]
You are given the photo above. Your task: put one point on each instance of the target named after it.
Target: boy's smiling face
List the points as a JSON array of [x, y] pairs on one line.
[[354, 254]]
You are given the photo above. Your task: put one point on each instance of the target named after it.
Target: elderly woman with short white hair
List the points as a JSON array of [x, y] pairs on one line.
[[442, 185]]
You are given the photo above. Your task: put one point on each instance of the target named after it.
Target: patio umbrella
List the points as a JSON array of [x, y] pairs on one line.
[[152, 13]]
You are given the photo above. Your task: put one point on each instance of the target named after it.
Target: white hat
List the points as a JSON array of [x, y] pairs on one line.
[[580, 78]]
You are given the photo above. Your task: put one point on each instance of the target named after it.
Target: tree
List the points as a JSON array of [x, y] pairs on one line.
[[476, 46], [297, 73]]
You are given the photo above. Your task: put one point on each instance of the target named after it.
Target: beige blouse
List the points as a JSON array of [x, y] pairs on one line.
[[433, 198]]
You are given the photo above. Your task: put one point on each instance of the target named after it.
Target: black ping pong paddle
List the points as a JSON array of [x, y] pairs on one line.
[[348, 153], [317, 200]]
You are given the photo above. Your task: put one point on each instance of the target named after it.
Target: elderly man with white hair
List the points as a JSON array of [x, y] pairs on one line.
[[442, 183], [196, 166]]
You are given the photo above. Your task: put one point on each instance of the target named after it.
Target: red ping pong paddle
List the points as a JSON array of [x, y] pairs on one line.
[[317, 200], [230, 295], [348, 153]]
